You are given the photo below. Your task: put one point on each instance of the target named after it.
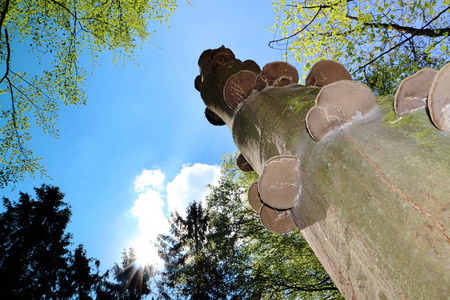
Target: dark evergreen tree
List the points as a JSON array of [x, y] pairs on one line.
[[80, 280], [34, 245], [133, 280], [36, 261]]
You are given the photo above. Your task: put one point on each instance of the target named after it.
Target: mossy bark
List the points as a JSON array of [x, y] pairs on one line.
[[374, 202]]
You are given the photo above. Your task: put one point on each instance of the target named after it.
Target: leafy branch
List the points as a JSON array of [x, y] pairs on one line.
[[3, 13], [299, 31], [423, 31], [61, 30], [367, 36], [403, 41], [11, 91]]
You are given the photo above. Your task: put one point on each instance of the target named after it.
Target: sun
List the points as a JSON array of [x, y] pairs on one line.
[[146, 253]]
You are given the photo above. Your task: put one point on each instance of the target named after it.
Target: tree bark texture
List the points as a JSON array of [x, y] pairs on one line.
[[374, 199]]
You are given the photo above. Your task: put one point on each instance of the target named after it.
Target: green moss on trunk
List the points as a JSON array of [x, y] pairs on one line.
[[374, 200]]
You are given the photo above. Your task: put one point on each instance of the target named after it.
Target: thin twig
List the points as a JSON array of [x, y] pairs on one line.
[[36, 107], [299, 31]]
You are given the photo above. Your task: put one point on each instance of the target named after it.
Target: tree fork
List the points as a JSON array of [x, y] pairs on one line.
[[373, 198]]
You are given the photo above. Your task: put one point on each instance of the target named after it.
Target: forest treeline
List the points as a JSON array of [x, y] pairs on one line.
[[38, 260], [218, 249]]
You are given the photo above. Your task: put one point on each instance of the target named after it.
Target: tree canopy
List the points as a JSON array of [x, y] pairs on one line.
[[221, 251], [381, 41], [57, 32], [133, 280], [38, 261]]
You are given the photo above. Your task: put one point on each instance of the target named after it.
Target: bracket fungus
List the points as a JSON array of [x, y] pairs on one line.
[[238, 87], [204, 62], [325, 72], [221, 56], [412, 92], [198, 83], [337, 104], [243, 164], [279, 184], [213, 118], [439, 99], [278, 221], [254, 198], [277, 74], [216, 67], [252, 64]]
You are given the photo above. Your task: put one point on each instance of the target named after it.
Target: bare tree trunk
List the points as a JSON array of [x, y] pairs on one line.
[[374, 199]]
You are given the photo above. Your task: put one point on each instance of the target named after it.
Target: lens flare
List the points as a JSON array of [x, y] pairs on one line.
[[146, 253]]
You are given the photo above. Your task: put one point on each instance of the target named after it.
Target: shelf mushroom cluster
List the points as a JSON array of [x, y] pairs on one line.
[[427, 88], [336, 105], [222, 61], [240, 85], [276, 192], [339, 101]]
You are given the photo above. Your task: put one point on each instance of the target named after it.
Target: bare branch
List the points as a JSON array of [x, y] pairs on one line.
[[321, 6], [306, 288], [406, 29], [402, 42]]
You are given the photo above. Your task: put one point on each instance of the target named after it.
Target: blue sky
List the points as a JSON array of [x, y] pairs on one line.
[[142, 146]]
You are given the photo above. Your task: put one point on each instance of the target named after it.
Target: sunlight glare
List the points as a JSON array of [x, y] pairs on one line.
[[146, 253]]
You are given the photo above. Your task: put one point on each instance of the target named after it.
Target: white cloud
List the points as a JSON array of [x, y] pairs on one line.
[[149, 209], [189, 185], [149, 179]]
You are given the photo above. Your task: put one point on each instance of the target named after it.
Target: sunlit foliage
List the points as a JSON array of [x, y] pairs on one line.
[[57, 32], [221, 251], [380, 41]]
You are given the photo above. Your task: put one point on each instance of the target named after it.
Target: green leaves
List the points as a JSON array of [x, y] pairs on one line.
[[223, 252], [365, 35], [58, 32]]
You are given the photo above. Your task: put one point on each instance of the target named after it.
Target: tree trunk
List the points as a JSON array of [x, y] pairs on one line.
[[374, 195], [374, 198]]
